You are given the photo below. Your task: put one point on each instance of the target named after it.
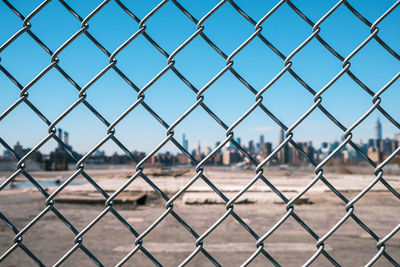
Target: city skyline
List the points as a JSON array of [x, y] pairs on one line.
[[272, 136], [261, 147]]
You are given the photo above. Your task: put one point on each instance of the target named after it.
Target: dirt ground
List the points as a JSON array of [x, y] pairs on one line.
[[230, 244]]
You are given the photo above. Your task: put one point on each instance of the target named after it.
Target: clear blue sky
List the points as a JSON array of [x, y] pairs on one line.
[[198, 62]]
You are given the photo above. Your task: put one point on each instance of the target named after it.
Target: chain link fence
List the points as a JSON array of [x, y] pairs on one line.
[[260, 170]]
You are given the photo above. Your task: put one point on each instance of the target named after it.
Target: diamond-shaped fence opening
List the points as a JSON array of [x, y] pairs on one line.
[[12, 21], [352, 38], [199, 58], [82, 67], [381, 65], [25, 51], [316, 65], [109, 32], [62, 27], [172, 23], [52, 100], [128, 133], [148, 61]]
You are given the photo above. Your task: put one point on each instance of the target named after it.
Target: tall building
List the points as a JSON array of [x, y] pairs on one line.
[[371, 143], [281, 135], [283, 154], [66, 137], [59, 157], [251, 147], [386, 146], [230, 156], [239, 141], [185, 143], [198, 150], [378, 130], [19, 150], [260, 144], [397, 137], [266, 149], [217, 143]]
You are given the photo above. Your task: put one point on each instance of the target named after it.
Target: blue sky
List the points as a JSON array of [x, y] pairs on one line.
[[199, 63]]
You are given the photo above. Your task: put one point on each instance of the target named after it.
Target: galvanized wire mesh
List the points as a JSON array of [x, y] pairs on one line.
[[198, 103]]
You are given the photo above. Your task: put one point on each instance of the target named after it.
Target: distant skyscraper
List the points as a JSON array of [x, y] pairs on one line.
[[198, 151], [378, 130], [185, 142], [59, 133], [217, 143], [397, 137], [283, 154], [324, 145], [251, 147], [66, 137], [261, 140], [266, 149], [281, 136], [239, 141], [371, 143]]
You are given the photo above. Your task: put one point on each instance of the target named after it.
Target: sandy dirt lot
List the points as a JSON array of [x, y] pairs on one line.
[[230, 243]]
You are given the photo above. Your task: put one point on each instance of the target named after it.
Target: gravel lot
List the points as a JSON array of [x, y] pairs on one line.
[[230, 243]]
